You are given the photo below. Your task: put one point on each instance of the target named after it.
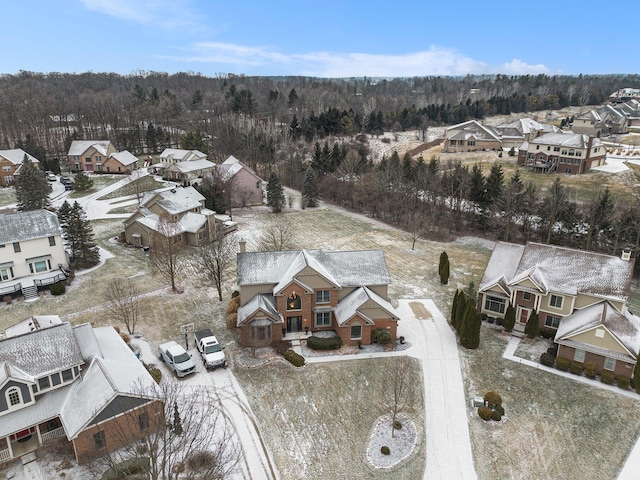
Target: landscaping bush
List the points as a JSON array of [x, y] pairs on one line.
[[590, 369], [553, 350], [232, 319], [381, 336], [385, 450], [485, 413], [493, 399], [547, 359], [324, 343], [57, 288], [577, 368], [496, 416], [562, 364], [235, 294], [606, 377], [548, 334], [124, 336], [397, 425], [491, 319], [7, 299], [499, 321], [282, 346], [499, 409], [233, 306], [156, 374], [623, 381], [293, 358]]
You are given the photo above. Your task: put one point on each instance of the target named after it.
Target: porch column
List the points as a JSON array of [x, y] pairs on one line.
[[8, 439], [38, 433], [536, 304]]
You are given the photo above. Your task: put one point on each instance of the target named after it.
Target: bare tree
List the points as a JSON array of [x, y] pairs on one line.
[[277, 237], [400, 391], [166, 243], [212, 262], [124, 302], [188, 437]]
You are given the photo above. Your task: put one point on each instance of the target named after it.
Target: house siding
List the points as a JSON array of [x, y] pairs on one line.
[[25, 391], [621, 368]]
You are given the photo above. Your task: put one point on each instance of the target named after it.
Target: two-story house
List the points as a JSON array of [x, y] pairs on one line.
[[599, 122], [313, 291], [31, 252], [471, 136], [89, 155], [120, 162], [244, 183], [581, 296], [10, 163], [183, 207], [571, 153], [85, 384]]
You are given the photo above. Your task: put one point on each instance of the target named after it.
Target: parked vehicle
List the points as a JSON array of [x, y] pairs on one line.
[[64, 179], [211, 351], [176, 358], [51, 177]]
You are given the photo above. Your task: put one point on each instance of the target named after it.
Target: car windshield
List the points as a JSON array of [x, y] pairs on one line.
[[183, 357], [212, 348]]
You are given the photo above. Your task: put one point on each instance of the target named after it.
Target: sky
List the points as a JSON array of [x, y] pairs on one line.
[[328, 38]]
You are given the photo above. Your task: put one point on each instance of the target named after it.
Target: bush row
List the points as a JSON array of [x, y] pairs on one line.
[[589, 369], [324, 343]]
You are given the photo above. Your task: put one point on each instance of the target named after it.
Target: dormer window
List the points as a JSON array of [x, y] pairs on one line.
[[294, 302], [14, 397]]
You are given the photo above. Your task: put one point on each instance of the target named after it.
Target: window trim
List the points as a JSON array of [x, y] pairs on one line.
[[355, 325], [326, 314], [548, 321], [321, 295], [490, 300], [579, 355], [8, 394], [609, 359], [557, 298]]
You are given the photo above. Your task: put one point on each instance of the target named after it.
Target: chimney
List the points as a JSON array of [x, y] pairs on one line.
[[243, 245], [626, 254]]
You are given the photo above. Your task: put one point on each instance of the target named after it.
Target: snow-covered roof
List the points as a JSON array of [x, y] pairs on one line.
[[503, 264], [175, 201], [569, 140], [124, 157], [231, 166], [260, 303], [473, 129], [302, 261], [355, 268], [16, 156], [21, 226], [350, 305], [36, 322], [180, 155], [192, 222], [78, 147], [192, 166]]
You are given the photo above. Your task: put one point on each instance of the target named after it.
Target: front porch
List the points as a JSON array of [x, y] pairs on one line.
[[28, 440]]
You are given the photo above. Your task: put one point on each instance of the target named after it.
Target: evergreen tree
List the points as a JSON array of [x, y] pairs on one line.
[[275, 194], [443, 268], [194, 141], [509, 318], [63, 214], [635, 380], [78, 236], [82, 182], [533, 325], [310, 188], [470, 327], [32, 187], [454, 304], [461, 305]]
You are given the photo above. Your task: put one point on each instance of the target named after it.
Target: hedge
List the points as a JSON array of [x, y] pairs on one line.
[[293, 358], [563, 363], [577, 368], [623, 381], [57, 288], [606, 377], [324, 343]]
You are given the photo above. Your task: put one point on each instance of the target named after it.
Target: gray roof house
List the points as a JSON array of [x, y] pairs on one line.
[[57, 380], [285, 293]]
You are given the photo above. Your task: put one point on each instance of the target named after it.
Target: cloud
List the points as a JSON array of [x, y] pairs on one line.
[[163, 13], [434, 61]]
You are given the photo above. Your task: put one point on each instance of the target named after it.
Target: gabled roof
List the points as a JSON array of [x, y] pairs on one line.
[[350, 306], [180, 155], [232, 166], [174, 201], [302, 261], [124, 157], [22, 226], [502, 265], [261, 303], [16, 156], [569, 140], [473, 129], [8, 371], [78, 147], [535, 276], [192, 166]]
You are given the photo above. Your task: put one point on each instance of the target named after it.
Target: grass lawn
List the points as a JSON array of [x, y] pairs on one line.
[[139, 185], [99, 182]]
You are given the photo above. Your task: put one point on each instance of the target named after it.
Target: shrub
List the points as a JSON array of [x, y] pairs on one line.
[[485, 413], [562, 364], [235, 294], [232, 320], [281, 346], [233, 306], [7, 299], [548, 334], [491, 319], [293, 358], [155, 373], [553, 350], [57, 288], [623, 381], [547, 359], [590, 369], [324, 343], [500, 410], [381, 336], [606, 377], [496, 416], [493, 399], [576, 367], [385, 450], [397, 425], [499, 321], [200, 460]]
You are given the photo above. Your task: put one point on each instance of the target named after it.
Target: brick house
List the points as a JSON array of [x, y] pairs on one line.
[[313, 291], [10, 163], [580, 298], [570, 153], [77, 382], [471, 136], [120, 162], [89, 155]]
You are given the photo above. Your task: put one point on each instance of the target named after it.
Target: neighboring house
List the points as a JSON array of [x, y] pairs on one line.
[[580, 298], [625, 94], [571, 153], [187, 172], [604, 121], [313, 291], [194, 224], [31, 252], [10, 163], [89, 155], [78, 382], [120, 162], [176, 155], [246, 186], [471, 136], [513, 134]]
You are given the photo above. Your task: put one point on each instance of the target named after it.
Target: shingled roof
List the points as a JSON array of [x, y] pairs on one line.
[[21, 226]]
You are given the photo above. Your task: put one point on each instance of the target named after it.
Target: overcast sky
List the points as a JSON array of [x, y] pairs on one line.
[[326, 38]]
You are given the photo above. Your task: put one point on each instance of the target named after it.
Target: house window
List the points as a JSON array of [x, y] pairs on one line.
[[52, 241], [67, 375], [143, 421], [16, 247], [526, 296], [99, 440], [356, 331], [471, 143], [262, 332], [13, 395], [323, 319], [609, 363], [4, 273], [43, 383], [39, 267], [556, 149], [55, 379], [6, 168], [294, 302], [494, 304], [257, 184], [579, 355], [99, 167], [556, 301], [322, 296], [552, 321]]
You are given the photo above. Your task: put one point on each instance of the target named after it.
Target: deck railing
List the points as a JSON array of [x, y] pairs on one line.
[[58, 432], [5, 455]]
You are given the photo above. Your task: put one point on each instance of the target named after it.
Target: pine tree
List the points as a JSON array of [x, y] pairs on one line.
[[470, 328], [82, 182], [443, 268], [454, 304], [462, 302], [533, 325], [32, 187], [310, 188], [635, 381], [509, 318], [275, 194], [78, 236]]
